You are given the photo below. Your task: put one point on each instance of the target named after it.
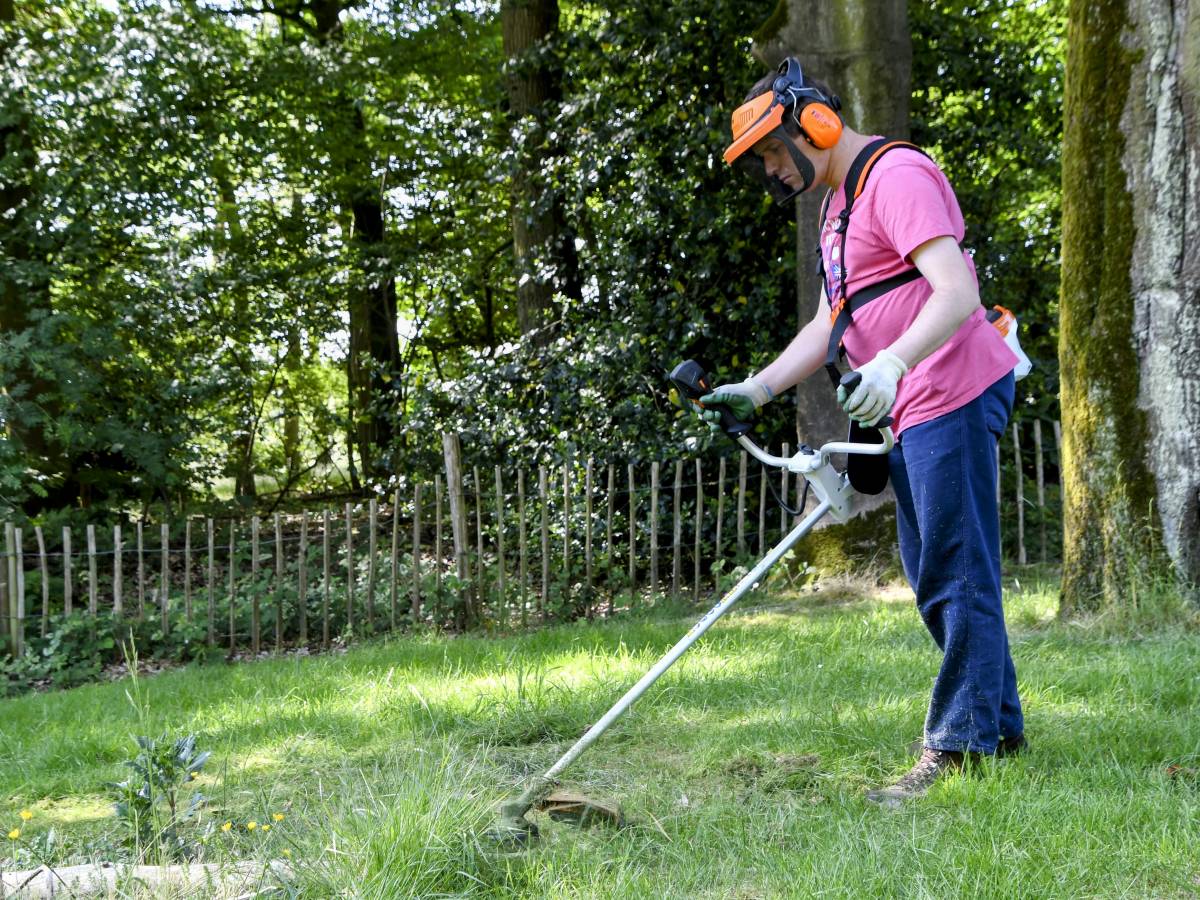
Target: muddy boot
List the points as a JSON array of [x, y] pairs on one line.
[[929, 768]]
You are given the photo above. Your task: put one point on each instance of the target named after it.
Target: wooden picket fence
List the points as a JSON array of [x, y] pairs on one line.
[[584, 539]]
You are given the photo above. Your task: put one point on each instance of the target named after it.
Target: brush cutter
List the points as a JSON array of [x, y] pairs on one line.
[[836, 498]]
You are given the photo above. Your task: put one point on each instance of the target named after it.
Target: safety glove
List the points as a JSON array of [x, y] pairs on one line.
[[876, 392], [742, 399]]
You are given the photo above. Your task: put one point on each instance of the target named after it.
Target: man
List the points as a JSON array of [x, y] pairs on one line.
[[905, 298]]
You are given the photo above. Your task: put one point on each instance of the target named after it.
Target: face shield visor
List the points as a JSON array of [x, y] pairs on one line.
[[762, 117]]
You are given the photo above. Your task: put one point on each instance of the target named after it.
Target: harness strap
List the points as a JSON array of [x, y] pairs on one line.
[[842, 308], [856, 302]]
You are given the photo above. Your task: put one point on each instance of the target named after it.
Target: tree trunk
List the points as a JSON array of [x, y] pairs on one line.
[[24, 287], [863, 51], [1129, 339], [543, 245]]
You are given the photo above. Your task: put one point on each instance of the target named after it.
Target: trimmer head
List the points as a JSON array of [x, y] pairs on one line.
[[578, 809], [513, 830]]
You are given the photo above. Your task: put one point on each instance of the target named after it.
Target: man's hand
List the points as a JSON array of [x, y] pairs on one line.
[[875, 394], [742, 400]]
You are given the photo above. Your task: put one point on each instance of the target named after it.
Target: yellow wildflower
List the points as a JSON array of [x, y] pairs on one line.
[[26, 815], [266, 828], [195, 775], [287, 852], [278, 817], [226, 826], [14, 834], [250, 826]]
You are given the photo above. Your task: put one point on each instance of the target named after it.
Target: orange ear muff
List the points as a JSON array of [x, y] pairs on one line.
[[821, 125]]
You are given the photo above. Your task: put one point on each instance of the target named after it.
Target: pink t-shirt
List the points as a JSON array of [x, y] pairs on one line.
[[906, 202]]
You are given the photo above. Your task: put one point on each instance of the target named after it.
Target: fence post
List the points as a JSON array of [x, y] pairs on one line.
[[783, 493], [350, 568], [20, 618], [677, 533], [10, 607], [502, 610], [45, 571], [187, 568], [437, 547], [326, 569], [587, 538], [93, 588], [255, 623], [165, 532], [1016, 435], [452, 453], [1041, 487], [521, 545], [762, 512], [212, 579], [543, 490], [232, 587], [118, 575], [141, 570], [302, 578], [278, 582], [632, 523], [720, 507], [68, 591], [608, 534], [481, 593], [696, 539], [741, 505], [372, 553], [653, 530], [414, 613], [393, 585], [566, 560]]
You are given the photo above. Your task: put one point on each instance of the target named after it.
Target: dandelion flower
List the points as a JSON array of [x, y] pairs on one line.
[[26, 815], [266, 828], [287, 852], [226, 826], [278, 817], [14, 834], [250, 826]]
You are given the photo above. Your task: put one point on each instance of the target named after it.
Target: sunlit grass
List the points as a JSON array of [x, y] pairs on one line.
[[742, 772]]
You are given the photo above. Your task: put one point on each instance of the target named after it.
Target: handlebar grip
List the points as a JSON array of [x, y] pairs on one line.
[[850, 381], [691, 381]]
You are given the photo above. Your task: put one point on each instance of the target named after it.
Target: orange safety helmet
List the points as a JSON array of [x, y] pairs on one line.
[[762, 116]]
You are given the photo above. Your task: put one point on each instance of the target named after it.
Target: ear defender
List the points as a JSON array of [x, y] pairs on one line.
[[821, 125]]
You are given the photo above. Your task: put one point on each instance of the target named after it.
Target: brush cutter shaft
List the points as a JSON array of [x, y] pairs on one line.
[[739, 590]]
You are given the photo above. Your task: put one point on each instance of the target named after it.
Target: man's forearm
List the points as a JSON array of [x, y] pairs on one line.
[[803, 356]]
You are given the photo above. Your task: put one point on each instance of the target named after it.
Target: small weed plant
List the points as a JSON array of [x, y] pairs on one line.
[[155, 806]]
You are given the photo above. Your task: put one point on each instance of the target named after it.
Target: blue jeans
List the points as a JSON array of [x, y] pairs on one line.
[[944, 475]]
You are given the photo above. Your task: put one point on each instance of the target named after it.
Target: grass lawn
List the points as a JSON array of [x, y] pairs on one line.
[[742, 772]]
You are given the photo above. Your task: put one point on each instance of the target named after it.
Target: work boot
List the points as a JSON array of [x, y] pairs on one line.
[[928, 769]]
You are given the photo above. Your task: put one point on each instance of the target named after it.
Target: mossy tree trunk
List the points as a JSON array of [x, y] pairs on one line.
[[1129, 345], [543, 244]]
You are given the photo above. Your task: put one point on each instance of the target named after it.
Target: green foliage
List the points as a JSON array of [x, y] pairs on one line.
[[155, 805], [987, 103]]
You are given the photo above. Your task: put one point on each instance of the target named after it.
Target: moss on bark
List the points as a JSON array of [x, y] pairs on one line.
[[866, 542], [1108, 487]]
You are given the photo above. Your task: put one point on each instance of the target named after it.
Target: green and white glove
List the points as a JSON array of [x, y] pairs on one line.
[[742, 399], [875, 394]]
